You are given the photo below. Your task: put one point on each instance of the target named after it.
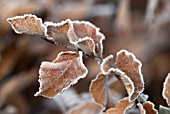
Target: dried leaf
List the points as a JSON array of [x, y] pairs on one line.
[[84, 29], [79, 32], [147, 108], [166, 90], [130, 66], [63, 28], [164, 110], [87, 45], [29, 24], [107, 63], [60, 74], [100, 91], [121, 107], [129, 85]]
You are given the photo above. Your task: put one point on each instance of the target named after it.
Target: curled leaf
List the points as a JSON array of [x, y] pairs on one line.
[[128, 63], [84, 29], [60, 74], [147, 108], [121, 107], [62, 28], [125, 80], [100, 91], [130, 66], [107, 63], [87, 45], [78, 33], [166, 90], [28, 24]]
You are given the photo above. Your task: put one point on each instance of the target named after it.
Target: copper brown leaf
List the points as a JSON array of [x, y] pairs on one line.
[[166, 90], [60, 74], [28, 24], [147, 108], [107, 63], [56, 30], [78, 32], [121, 107], [130, 66], [128, 63], [129, 85], [100, 91], [84, 29]]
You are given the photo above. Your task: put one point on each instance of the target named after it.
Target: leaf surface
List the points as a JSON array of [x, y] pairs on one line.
[[100, 91], [60, 74], [130, 66], [28, 24], [121, 107], [147, 108]]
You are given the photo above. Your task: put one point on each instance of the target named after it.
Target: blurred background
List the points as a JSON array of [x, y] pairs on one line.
[[139, 26]]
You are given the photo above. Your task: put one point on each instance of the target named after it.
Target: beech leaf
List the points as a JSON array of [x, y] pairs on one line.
[[84, 29], [28, 24], [130, 65], [100, 91], [166, 90], [121, 107], [87, 45], [79, 32], [60, 74], [147, 108], [107, 63], [125, 80]]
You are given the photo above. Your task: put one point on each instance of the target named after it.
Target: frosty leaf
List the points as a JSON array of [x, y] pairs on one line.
[[147, 108], [125, 79], [60, 74], [87, 45], [166, 90], [28, 24], [61, 28], [78, 32], [164, 110], [107, 63], [121, 107], [100, 92], [84, 29], [130, 66]]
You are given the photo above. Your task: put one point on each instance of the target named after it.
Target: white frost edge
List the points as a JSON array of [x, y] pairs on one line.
[[123, 74], [23, 17], [84, 39], [104, 61], [47, 23], [127, 53], [164, 88], [128, 107], [72, 82], [152, 106], [97, 31], [141, 108]]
